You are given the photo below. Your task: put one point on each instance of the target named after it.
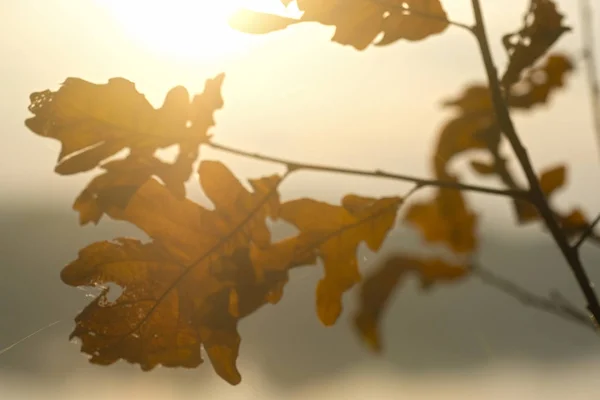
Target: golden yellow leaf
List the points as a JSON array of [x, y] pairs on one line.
[[254, 22], [550, 181], [553, 179], [109, 331], [445, 219], [94, 122], [574, 222], [336, 231], [378, 287], [202, 272], [474, 127], [357, 22]]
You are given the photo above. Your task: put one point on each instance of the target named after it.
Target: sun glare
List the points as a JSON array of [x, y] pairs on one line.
[[195, 29]]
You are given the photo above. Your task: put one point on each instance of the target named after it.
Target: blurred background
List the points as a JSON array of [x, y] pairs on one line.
[[294, 94]]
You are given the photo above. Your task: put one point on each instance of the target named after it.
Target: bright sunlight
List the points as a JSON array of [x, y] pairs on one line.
[[190, 29]]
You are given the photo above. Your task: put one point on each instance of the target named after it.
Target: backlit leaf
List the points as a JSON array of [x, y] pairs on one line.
[[483, 168], [179, 290], [542, 26], [540, 82], [574, 222], [94, 122], [358, 23], [249, 21], [550, 181], [553, 179], [445, 219], [336, 231], [378, 287]]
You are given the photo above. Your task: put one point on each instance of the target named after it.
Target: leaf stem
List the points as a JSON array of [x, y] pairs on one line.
[[537, 195], [295, 165]]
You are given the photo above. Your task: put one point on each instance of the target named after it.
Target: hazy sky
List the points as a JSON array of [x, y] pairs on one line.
[[292, 94]]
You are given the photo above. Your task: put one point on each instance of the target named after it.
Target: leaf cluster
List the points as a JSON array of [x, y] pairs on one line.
[[205, 269]]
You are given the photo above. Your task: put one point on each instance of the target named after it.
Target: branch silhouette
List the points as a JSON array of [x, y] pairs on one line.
[[296, 165], [530, 299], [537, 195]]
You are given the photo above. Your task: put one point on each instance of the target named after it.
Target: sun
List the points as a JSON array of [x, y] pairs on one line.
[[195, 29]]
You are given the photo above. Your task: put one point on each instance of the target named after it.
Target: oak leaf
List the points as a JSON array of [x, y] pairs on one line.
[[542, 27], [445, 219], [474, 126], [357, 22], [94, 122], [378, 287], [179, 289], [336, 231]]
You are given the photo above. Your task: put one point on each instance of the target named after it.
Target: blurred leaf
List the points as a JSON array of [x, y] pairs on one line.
[[542, 26], [255, 22], [550, 181], [357, 22], [483, 168], [553, 179], [378, 287], [539, 82], [445, 219], [474, 127]]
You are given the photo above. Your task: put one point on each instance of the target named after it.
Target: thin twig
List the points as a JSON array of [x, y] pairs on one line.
[[527, 298], [587, 232], [589, 58], [537, 195], [295, 165]]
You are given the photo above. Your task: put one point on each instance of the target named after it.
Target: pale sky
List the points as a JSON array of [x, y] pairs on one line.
[[293, 94]]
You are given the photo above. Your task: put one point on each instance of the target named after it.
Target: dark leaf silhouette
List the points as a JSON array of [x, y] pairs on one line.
[[540, 82], [357, 22], [378, 287], [96, 121], [542, 27]]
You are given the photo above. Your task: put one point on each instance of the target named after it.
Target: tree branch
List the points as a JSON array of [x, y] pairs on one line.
[[533, 300], [421, 182], [537, 195], [589, 58], [589, 231]]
